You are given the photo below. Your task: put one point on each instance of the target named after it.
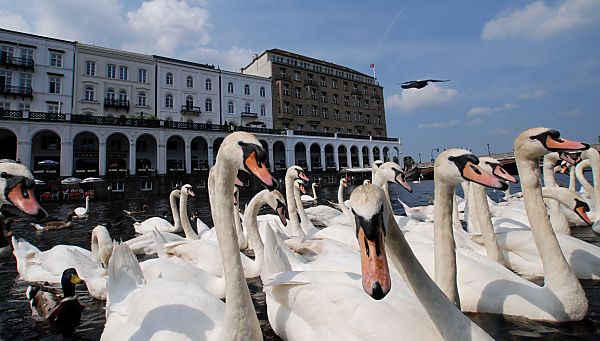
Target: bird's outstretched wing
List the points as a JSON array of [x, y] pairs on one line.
[[436, 80], [408, 82]]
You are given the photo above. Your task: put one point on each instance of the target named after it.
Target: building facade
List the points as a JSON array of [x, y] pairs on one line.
[[319, 96], [246, 100]]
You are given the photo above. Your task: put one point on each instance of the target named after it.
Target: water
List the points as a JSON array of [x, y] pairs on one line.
[[15, 315]]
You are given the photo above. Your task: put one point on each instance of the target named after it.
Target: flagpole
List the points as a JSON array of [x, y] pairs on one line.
[[374, 77]]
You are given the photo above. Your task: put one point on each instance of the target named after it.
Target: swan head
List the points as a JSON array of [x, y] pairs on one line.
[[537, 142], [570, 199], [454, 166], [344, 182], [16, 187], [187, 190], [494, 166], [296, 172], [377, 164], [245, 152], [299, 184], [277, 202], [392, 172], [370, 217], [366, 182]]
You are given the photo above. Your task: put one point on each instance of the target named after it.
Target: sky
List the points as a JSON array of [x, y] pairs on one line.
[[512, 64]]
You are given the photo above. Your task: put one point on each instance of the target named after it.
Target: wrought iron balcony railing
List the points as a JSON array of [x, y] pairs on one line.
[[190, 110], [116, 103]]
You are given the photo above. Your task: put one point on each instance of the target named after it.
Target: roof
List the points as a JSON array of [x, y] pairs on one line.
[[37, 36]]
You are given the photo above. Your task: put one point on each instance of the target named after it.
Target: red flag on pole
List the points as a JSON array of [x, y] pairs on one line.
[[372, 65]]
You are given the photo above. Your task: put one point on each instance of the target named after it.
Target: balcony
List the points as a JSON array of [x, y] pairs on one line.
[[313, 133], [14, 114], [47, 116], [16, 62], [260, 130], [118, 121], [249, 115], [23, 91], [190, 110], [310, 82], [283, 77], [116, 103]]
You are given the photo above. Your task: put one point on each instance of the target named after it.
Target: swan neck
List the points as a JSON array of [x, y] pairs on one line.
[[292, 209], [185, 220], [343, 206], [314, 185], [174, 211], [251, 215], [481, 213], [240, 322], [444, 246]]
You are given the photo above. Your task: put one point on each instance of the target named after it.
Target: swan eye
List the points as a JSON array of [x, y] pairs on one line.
[[4, 175], [241, 143]]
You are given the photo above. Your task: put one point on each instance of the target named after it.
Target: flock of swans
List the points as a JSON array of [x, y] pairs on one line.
[[354, 271]]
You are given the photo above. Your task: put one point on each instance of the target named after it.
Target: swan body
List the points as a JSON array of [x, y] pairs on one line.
[[137, 212], [310, 199], [82, 212]]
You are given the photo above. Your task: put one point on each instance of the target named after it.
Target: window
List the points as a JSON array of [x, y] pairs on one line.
[[25, 80], [27, 54], [230, 107], [262, 91], [325, 113], [89, 94], [285, 125], [338, 130], [366, 103], [123, 72], [324, 97], [346, 101], [365, 90], [111, 71], [118, 186], [90, 67], [299, 110], [122, 96], [230, 87], [379, 119], [52, 107], [298, 93], [246, 89], [313, 94], [313, 127], [169, 101], [55, 84], [169, 78], [335, 97], [349, 131], [325, 129], [142, 99], [208, 85], [367, 118], [286, 107], [296, 75], [21, 107], [286, 89], [263, 110], [208, 105], [377, 105], [5, 105], [322, 81], [299, 127], [5, 77], [314, 111], [345, 85], [56, 59], [110, 94], [334, 83], [336, 114], [146, 185], [189, 102], [142, 75], [282, 72], [360, 117], [347, 116], [247, 107]]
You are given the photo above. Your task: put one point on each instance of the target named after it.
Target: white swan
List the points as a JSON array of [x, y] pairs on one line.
[[34, 265], [320, 305], [591, 157], [82, 212], [310, 199], [135, 309], [161, 224], [16, 188]]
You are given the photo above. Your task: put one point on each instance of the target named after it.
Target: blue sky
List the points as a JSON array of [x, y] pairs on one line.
[[513, 64]]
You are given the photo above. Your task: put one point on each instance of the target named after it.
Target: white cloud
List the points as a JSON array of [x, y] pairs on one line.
[[476, 121], [538, 21], [498, 131], [480, 111], [437, 125], [533, 95], [232, 59], [12, 21], [570, 113], [412, 99]]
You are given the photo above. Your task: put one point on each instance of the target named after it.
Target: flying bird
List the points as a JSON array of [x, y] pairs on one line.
[[420, 84]]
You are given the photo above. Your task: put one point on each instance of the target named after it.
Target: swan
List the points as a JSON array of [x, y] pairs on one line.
[[16, 188], [34, 265], [46, 304], [137, 212], [326, 215], [242, 241], [591, 157], [204, 254], [322, 305], [310, 199], [148, 225], [145, 311], [55, 224], [82, 212]]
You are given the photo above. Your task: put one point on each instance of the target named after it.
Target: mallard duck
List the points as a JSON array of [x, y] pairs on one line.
[[143, 210], [56, 224], [47, 303]]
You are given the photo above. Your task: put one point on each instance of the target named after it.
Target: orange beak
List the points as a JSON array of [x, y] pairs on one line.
[[239, 182], [581, 208], [260, 171], [502, 174], [302, 188], [26, 201], [565, 145], [303, 177], [376, 280], [402, 182], [281, 214], [473, 172]]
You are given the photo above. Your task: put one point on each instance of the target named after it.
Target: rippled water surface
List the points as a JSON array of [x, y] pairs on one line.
[[15, 315]]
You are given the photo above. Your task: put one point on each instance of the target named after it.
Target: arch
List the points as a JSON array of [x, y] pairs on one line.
[[342, 159], [315, 156], [279, 155], [189, 81], [247, 90], [386, 156], [175, 154], [45, 145], [300, 154], [199, 148], [365, 155], [262, 91], [396, 156], [145, 154], [376, 154], [230, 87], [354, 156], [8, 141], [86, 161], [265, 146], [329, 156], [208, 85], [169, 78], [216, 146], [117, 153]]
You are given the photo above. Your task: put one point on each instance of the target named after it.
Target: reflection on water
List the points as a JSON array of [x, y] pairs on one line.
[[17, 324]]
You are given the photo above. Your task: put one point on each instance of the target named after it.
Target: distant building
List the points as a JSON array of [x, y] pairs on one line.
[[314, 95]]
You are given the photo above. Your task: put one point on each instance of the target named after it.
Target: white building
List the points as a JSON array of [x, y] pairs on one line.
[[113, 83], [246, 100], [36, 73]]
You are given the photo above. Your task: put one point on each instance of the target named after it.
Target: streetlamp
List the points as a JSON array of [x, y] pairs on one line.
[[488, 145], [436, 150], [419, 157]]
